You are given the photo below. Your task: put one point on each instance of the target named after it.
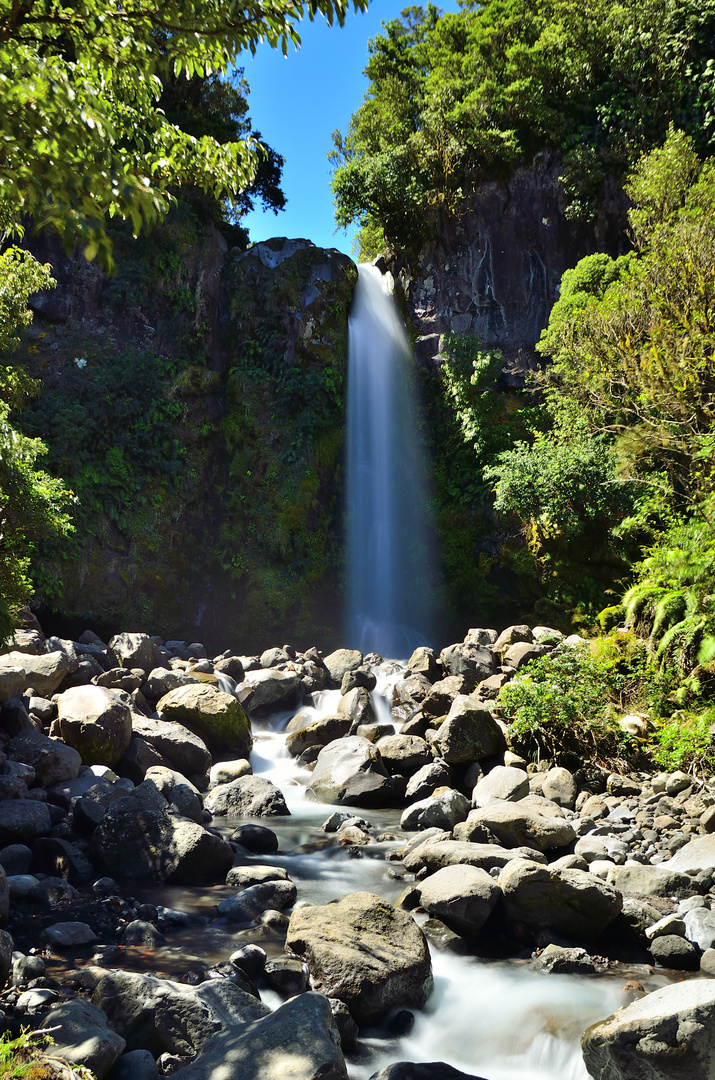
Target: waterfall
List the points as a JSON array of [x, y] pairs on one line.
[[391, 582]]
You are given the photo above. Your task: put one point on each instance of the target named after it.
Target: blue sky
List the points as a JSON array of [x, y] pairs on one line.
[[296, 102]]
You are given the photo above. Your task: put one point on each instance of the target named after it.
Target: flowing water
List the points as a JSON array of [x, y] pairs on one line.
[[390, 563], [492, 1019]]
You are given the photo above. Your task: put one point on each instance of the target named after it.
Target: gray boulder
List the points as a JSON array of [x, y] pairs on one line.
[[217, 718], [442, 694], [320, 732], [559, 786], [697, 854], [178, 791], [502, 782], [52, 761], [700, 927], [404, 754], [250, 903], [6, 958], [81, 1035], [135, 651], [267, 689], [666, 1035], [518, 826], [421, 1070], [350, 772], [424, 662], [23, 820], [357, 704], [138, 838], [340, 661], [178, 746], [523, 652], [427, 779], [473, 662], [440, 811], [461, 896], [468, 733], [299, 1041], [434, 855], [570, 902], [649, 880], [96, 722], [512, 634], [365, 952], [43, 673], [248, 796], [161, 680]]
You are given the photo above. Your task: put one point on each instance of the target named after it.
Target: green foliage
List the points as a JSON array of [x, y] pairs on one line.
[[21, 1056], [81, 132], [563, 706], [457, 98], [686, 742]]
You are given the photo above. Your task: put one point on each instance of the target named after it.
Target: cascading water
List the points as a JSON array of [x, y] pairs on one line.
[[390, 566]]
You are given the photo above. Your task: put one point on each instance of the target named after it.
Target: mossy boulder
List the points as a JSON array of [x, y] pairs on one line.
[[216, 717]]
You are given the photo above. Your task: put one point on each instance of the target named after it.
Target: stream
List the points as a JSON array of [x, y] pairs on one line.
[[494, 1019]]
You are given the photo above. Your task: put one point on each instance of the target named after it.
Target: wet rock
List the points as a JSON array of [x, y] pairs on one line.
[[423, 1070], [468, 733], [250, 903], [251, 959], [299, 1041], [226, 771], [365, 952], [267, 689], [249, 796], [666, 1035], [256, 838], [350, 772], [357, 705], [570, 902], [217, 718], [136, 1065], [357, 677], [286, 976], [52, 761], [242, 877], [142, 934], [179, 747], [463, 897], [81, 1035], [96, 722], [556, 960], [319, 732], [68, 935]]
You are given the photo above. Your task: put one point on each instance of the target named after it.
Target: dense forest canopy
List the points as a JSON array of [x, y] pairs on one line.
[[456, 98]]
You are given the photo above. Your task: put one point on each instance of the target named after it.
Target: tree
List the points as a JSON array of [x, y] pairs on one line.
[[81, 132]]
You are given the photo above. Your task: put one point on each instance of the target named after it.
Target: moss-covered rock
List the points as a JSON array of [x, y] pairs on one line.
[[217, 718]]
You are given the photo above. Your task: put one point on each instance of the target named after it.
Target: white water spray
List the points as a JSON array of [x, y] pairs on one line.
[[391, 581]]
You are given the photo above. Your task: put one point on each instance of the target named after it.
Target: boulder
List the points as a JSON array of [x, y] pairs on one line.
[[649, 880], [560, 787], [140, 840], [362, 950], [675, 952], [81, 1035], [96, 722], [699, 927], [250, 903], [697, 854], [350, 772], [421, 1070], [357, 704], [161, 680], [135, 651], [340, 661], [427, 779], [523, 652], [68, 935], [569, 902], [23, 820], [404, 754], [226, 771], [178, 791], [248, 796], [43, 673], [299, 1041], [461, 896], [503, 782], [441, 811], [468, 733], [7, 963], [267, 689], [471, 661], [517, 826], [320, 732], [52, 761], [434, 855], [424, 662], [666, 1035], [442, 694], [217, 718], [12, 680], [511, 635], [183, 750]]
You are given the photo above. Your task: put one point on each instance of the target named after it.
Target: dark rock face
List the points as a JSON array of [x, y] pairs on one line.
[[494, 272], [237, 438]]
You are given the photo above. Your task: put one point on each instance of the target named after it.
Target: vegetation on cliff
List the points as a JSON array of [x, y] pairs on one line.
[[461, 97]]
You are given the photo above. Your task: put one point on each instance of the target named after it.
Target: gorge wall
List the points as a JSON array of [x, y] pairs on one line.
[[494, 271], [194, 403]]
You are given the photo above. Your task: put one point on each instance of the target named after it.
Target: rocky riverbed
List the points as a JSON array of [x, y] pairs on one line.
[[303, 866]]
